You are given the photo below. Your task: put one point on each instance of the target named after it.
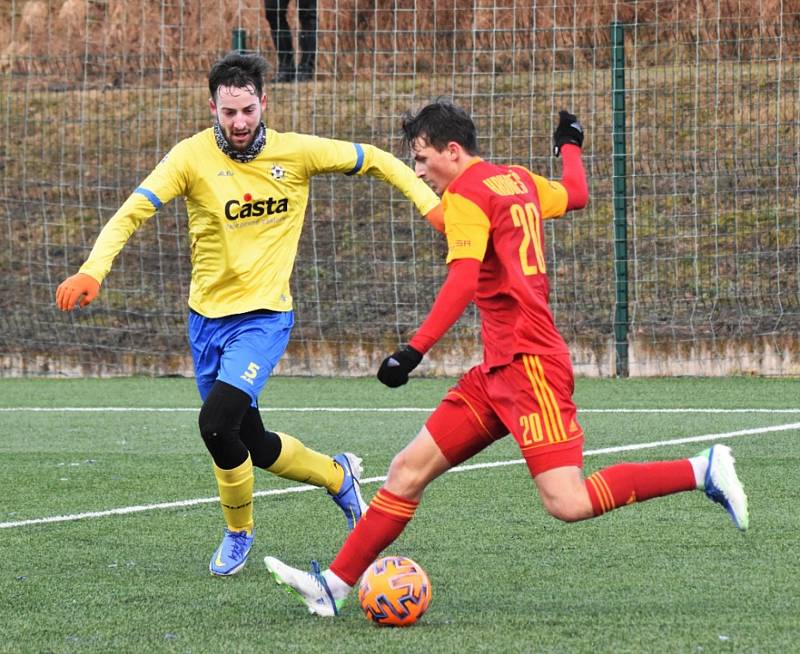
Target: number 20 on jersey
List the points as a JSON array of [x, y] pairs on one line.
[[526, 217]]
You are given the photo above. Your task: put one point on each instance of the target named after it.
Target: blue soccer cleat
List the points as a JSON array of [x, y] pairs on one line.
[[723, 486], [231, 555], [349, 499], [310, 587]]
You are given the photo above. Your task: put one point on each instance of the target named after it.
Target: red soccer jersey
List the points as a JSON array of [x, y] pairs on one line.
[[494, 214]]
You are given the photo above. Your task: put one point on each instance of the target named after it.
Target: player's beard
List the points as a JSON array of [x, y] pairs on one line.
[[236, 141]]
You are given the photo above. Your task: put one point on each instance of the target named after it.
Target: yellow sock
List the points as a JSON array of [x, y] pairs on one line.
[[236, 495], [300, 463]]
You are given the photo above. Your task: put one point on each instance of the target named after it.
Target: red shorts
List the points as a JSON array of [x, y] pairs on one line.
[[530, 397]]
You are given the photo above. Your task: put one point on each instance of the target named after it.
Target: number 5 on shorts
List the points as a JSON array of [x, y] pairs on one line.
[[251, 372]]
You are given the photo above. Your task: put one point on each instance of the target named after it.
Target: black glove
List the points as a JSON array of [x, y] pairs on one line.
[[395, 368], [569, 130]]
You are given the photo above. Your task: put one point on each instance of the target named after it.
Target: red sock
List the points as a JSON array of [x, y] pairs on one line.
[[387, 516], [626, 483]]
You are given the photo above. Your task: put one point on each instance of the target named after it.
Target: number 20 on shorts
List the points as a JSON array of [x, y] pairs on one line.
[[527, 217], [531, 429]]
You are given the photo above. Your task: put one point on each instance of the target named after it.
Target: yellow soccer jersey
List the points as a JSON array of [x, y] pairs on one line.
[[245, 219]]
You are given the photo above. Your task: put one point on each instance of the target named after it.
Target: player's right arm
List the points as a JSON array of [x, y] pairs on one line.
[[164, 183], [453, 298], [468, 230], [467, 238]]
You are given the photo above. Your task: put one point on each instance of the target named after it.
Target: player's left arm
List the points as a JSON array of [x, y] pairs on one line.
[[388, 168], [573, 179], [567, 142], [331, 155], [571, 191]]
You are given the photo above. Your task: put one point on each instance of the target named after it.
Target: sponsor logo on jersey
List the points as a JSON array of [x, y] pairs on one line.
[[248, 207]]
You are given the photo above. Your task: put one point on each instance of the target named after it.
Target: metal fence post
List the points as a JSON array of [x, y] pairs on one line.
[[239, 39], [621, 318]]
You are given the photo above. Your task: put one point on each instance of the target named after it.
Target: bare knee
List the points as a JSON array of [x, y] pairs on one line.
[[416, 466], [569, 503], [564, 494], [566, 508], [405, 479]]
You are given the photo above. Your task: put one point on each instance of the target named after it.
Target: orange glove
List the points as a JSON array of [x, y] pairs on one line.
[[436, 217], [81, 287]]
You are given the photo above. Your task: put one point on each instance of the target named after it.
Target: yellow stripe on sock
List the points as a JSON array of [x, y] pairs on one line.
[[398, 507], [598, 494], [603, 492], [604, 485], [392, 509]]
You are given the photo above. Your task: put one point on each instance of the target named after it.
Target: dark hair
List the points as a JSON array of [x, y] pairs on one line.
[[240, 71], [439, 123]]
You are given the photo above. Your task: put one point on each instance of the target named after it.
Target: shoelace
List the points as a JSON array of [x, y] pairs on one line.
[[239, 543], [316, 573]]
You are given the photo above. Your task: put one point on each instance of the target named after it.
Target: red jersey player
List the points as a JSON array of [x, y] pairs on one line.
[[493, 221]]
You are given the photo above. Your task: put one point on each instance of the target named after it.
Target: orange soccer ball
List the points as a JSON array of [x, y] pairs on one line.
[[394, 592]]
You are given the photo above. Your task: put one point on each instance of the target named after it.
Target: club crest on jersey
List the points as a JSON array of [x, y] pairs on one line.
[[248, 207], [277, 172]]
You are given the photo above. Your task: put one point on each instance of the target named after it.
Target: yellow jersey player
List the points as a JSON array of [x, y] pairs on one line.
[[246, 188]]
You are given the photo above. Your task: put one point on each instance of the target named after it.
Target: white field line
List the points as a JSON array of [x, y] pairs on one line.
[[477, 466], [400, 409]]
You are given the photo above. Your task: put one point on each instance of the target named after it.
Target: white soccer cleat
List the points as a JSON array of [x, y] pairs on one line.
[[311, 587], [722, 485]]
